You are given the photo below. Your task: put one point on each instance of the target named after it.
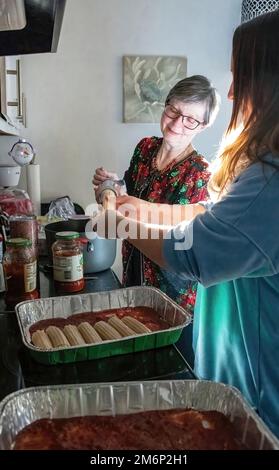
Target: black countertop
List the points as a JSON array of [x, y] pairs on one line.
[[18, 369]]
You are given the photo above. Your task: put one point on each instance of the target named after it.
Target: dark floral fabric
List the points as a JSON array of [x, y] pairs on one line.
[[183, 183]]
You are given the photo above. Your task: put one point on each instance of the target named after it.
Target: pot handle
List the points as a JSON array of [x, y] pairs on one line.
[[89, 247]]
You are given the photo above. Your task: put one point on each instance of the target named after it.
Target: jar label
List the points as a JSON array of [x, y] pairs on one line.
[[30, 276], [68, 268]]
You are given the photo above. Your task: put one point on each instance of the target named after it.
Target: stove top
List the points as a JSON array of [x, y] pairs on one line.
[[18, 369]]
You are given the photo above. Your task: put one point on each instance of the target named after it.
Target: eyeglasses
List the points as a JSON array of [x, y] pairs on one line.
[[187, 121]]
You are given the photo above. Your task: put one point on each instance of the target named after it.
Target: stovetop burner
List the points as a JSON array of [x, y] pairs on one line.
[[10, 361], [139, 366], [11, 377]]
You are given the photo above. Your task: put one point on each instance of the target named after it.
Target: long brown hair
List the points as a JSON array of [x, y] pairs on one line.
[[255, 66]]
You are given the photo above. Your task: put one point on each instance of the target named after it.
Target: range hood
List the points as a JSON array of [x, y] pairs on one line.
[[30, 26]]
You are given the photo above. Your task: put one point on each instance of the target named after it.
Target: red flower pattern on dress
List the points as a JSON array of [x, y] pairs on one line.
[[183, 183]]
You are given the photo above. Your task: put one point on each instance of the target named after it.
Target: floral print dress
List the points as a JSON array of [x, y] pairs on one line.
[[181, 183]]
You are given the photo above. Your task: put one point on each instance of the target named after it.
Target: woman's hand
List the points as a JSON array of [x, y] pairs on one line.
[[102, 175]]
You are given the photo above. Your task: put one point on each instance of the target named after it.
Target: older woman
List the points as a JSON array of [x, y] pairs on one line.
[[169, 170]]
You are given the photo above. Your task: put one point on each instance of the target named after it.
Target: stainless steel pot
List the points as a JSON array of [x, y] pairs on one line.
[[98, 254]]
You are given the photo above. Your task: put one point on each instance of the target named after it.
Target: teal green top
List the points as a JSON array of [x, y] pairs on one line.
[[233, 251]]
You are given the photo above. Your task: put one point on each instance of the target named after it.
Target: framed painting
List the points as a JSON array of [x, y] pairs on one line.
[[147, 81]]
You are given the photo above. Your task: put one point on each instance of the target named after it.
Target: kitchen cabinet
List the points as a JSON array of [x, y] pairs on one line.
[[12, 99]]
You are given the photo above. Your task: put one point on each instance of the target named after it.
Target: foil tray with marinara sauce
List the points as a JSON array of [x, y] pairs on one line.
[[30, 312], [113, 399]]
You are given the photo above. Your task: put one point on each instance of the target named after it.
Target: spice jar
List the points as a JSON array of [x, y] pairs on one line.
[[20, 268], [25, 226], [68, 262]]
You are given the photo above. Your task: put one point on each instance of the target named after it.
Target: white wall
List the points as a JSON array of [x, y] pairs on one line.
[[74, 97]]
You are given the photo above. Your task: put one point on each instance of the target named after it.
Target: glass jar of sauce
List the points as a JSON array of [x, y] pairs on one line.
[[20, 268], [68, 262], [25, 226]]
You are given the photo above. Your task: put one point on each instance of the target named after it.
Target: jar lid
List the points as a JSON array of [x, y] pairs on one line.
[[19, 242], [67, 235]]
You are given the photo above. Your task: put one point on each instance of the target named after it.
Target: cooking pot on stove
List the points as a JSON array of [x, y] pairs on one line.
[[98, 253]]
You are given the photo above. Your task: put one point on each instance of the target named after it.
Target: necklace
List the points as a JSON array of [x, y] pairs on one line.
[[179, 158]]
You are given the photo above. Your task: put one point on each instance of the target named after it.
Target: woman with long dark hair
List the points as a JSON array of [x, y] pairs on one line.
[[232, 248]]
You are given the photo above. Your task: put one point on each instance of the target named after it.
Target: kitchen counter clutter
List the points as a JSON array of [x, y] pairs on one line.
[[18, 369], [106, 280]]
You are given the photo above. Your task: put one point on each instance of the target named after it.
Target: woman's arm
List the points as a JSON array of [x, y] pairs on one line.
[[148, 238], [161, 214]]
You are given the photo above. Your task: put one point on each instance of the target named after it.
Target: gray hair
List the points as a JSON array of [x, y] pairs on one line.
[[197, 89]]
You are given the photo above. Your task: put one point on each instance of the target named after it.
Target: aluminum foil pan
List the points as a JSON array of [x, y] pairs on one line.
[[25, 406], [30, 312]]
